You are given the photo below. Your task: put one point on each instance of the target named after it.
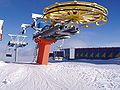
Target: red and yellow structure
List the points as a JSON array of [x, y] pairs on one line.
[[83, 13]]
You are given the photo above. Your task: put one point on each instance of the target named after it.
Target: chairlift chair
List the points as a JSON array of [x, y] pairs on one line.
[[9, 53]]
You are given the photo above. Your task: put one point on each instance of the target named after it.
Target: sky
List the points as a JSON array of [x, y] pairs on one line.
[[16, 12]]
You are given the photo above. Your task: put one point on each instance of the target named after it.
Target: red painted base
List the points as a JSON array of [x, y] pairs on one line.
[[43, 50]]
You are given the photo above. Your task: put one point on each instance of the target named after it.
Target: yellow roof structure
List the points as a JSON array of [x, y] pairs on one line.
[[76, 11]]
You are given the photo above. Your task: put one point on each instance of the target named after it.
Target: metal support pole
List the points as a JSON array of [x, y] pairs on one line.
[[43, 50], [15, 53]]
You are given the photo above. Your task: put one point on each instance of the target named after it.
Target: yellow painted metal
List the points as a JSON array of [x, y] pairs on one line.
[[92, 55], [85, 13], [81, 54], [104, 55], [86, 55], [110, 55], [118, 55], [98, 55]]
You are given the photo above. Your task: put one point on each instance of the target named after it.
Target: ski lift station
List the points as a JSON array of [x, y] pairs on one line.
[[63, 20]]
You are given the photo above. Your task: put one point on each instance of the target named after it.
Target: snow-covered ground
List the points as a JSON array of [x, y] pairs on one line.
[[60, 76]]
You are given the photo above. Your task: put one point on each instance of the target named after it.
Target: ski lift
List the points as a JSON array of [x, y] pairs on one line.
[[15, 42], [9, 52]]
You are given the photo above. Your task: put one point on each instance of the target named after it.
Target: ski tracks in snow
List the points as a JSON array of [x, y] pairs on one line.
[[58, 76]]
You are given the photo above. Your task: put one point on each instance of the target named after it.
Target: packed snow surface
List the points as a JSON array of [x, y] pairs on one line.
[[59, 76]]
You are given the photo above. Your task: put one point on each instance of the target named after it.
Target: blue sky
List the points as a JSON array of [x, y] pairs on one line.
[[16, 12]]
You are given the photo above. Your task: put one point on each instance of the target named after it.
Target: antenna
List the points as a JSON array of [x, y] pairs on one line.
[[16, 42]]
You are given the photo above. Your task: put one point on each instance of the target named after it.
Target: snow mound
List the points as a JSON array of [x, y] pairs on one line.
[[59, 76]]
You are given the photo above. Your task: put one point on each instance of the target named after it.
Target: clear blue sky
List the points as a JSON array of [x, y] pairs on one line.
[[16, 12]]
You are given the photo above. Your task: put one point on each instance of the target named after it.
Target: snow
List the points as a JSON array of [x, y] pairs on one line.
[[60, 76]]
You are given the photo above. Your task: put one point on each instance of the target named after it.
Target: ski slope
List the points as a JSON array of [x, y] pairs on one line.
[[59, 76]]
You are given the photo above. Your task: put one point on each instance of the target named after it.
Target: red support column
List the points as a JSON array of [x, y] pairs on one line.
[[43, 50]]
